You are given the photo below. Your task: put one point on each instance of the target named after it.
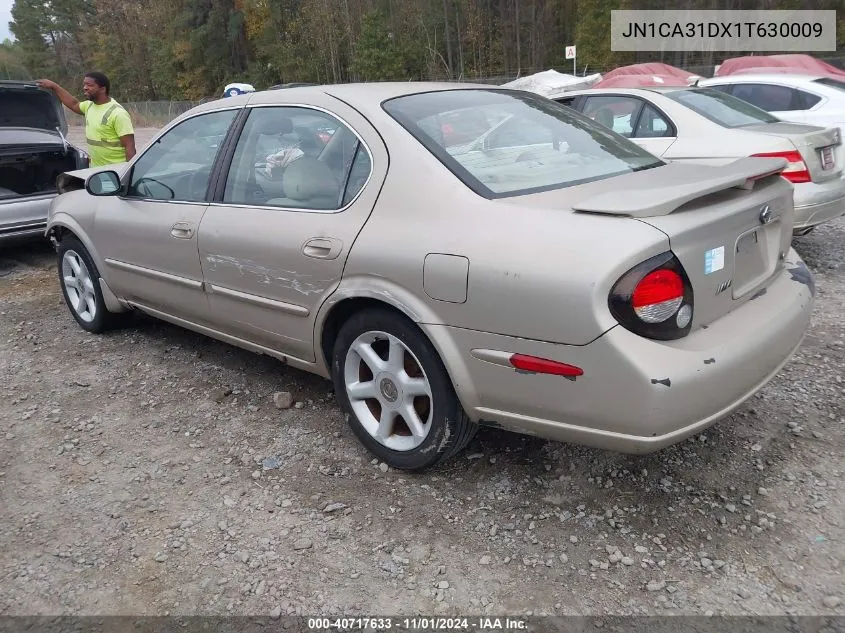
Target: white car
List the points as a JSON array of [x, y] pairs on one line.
[[799, 97], [706, 126]]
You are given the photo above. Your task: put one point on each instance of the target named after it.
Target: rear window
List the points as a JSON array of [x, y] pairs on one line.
[[507, 143], [723, 109], [833, 83]]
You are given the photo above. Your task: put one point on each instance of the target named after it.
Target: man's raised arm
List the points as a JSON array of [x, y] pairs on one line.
[[71, 102]]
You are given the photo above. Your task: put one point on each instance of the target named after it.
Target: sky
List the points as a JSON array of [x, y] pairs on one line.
[[5, 18]]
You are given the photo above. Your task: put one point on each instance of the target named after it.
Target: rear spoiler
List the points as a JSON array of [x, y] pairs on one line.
[[652, 200]]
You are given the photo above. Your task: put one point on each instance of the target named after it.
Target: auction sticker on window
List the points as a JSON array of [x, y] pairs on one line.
[[712, 30]]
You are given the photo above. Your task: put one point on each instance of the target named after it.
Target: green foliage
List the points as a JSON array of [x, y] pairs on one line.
[[378, 56], [592, 35], [189, 49], [12, 65]]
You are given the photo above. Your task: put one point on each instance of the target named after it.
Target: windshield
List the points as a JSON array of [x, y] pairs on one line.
[[721, 108], [507, 143]]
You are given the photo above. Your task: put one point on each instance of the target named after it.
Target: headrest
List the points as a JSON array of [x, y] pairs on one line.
[[605, 117], [271, 126], [307, 178]]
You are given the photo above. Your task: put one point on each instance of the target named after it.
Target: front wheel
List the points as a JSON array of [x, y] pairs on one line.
[[396, 393], [80, 282]]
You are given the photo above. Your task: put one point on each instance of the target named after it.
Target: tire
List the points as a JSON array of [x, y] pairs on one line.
[[385, 371], [83, 296]]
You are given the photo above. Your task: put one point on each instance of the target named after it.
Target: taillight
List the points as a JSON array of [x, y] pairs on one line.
[[796, 170], [658, 295], [654, 299]]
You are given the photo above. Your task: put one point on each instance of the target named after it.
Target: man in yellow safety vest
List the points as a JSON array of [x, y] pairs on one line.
[[108, 127]]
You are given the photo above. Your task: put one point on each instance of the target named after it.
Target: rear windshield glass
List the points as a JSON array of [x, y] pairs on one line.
[[507, 143], [833, 83], [721, 108]]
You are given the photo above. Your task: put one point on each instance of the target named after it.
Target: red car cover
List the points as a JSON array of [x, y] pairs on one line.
[[653, 68], [778, 64], [641, 81]]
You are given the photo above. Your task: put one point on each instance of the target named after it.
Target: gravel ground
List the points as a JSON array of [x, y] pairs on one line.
[[150, 471]]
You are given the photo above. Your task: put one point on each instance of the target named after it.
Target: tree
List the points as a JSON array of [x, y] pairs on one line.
[[592, 34], [30, 27], [189, 49], [12, 64], [378, 57]]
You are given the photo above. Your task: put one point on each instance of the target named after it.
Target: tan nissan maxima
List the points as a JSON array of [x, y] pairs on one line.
[[450, 255]]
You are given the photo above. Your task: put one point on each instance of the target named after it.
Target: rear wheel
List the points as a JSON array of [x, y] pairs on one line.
[[396, 393], [80, 282]]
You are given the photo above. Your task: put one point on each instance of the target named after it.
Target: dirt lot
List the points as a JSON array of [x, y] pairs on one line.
[[148, 471]]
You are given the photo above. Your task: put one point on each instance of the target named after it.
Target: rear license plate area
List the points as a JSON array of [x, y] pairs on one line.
[[828, 158], [755, 257]]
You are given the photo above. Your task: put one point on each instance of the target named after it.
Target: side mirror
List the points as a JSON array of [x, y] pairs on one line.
[[104, 183]]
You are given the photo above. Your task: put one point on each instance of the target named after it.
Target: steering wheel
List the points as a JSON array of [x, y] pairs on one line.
[[198, 184]]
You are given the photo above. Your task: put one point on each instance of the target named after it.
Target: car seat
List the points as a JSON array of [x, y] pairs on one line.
[[309, 184], [256, 186], [605, 117]]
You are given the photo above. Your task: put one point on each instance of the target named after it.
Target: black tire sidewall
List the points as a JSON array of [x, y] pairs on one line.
[[101, 321], [447, 415]]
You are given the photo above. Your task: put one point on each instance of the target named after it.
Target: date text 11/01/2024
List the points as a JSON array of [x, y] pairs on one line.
[[417, 624]]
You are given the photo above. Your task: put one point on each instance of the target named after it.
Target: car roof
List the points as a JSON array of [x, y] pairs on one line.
[[364, 94], [629, 91], [763, 76]]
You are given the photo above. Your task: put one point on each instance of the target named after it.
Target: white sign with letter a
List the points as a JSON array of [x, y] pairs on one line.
[[570, 52]]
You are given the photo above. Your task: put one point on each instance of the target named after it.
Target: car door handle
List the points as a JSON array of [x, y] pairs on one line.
[[322, 247], [182, 230]]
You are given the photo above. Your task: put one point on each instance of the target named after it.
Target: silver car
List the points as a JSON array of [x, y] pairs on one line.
[[33, 152], [706, 126], [559, 280]]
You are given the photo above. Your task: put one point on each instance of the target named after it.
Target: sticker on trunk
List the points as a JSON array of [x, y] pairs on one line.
[[828, 160], [714, 260]]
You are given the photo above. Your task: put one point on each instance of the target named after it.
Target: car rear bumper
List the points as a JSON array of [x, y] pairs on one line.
[[636, 395], [24, 217], [818, 203]]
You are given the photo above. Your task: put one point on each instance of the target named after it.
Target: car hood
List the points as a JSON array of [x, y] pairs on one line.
[[25, 105], [76, 179]]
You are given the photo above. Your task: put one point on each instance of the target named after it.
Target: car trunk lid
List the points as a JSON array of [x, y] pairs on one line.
[[730, 226], [820, 148], [25, 105]]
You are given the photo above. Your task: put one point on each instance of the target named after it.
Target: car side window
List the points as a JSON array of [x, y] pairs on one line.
[[615, 112], [358, 174], [178, 165], [652, 124], [810, 99], [771, 97], [296, 157], [567, 101], [726, 88]]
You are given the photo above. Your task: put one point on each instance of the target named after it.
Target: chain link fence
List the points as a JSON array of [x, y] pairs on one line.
[[156, 114], [148, 113]]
